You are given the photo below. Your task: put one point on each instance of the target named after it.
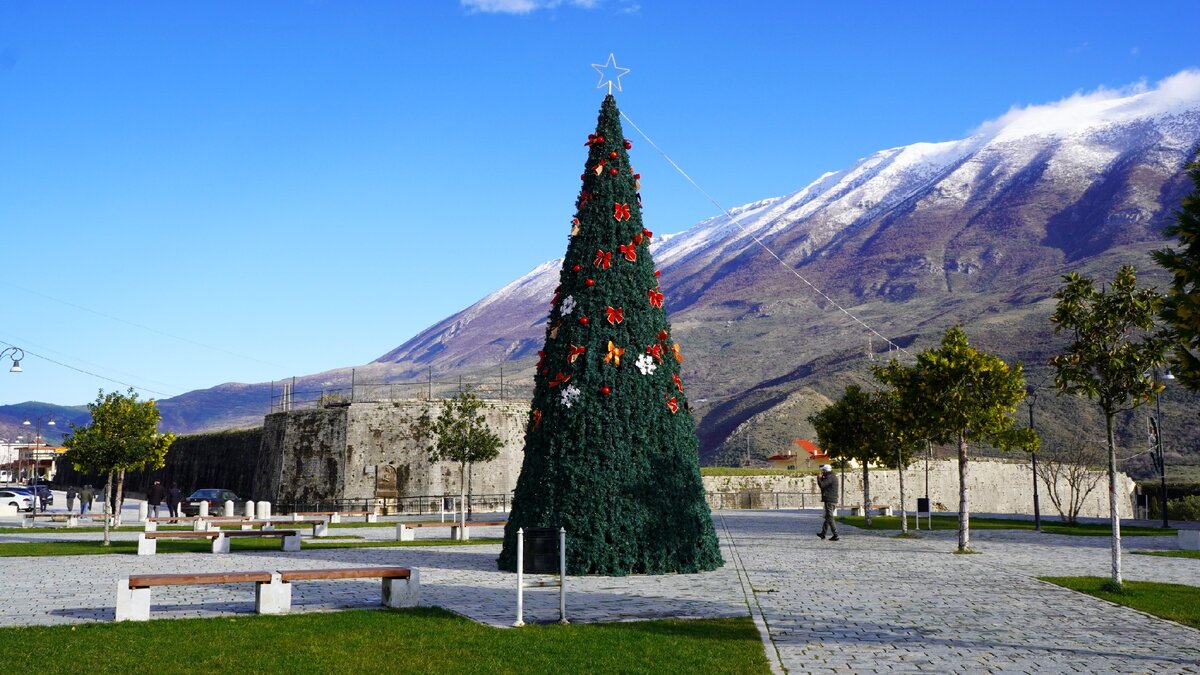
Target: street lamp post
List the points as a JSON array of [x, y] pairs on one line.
[[1162, 462], [33, 456], [1031, 398]]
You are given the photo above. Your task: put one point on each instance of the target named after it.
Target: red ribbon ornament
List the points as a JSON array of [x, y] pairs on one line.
[[656, 298], [621, 211], [603, 259], [615, 316], [673, 405], [629, 251], [656, 351], [678, 382]]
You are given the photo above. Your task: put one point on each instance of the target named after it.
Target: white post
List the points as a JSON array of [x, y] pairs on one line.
[[562, 575], [143, 512], [249, 509], [263, 510], [229, 509], [203, 513], [520, 578]]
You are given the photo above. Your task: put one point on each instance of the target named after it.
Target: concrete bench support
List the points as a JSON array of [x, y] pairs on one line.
[[147, 547], [151, 526], [1189, 540], [372, 517], [404, 533], [402, 592], [133, 604]]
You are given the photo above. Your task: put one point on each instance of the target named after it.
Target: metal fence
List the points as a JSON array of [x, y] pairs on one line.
[[292, 395], [416, 505], [763, 500]]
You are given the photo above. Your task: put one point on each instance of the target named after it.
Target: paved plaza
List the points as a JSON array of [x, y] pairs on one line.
[[867, 603]]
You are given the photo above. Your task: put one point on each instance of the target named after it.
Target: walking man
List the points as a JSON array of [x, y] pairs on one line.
[[154, 497], [829, 496], [174, 496], [71, 494], [85, 499]]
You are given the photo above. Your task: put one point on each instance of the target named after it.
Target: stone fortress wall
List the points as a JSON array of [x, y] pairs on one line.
[[994, 486]]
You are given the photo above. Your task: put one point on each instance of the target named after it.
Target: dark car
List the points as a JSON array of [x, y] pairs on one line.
[[216, 499], [43, 492]]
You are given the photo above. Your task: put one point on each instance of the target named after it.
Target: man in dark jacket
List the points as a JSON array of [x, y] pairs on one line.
[[829, 496], [174, 496], [154, 497]]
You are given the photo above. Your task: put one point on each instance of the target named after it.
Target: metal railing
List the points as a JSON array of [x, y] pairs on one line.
[[418, 505], [287, 395]]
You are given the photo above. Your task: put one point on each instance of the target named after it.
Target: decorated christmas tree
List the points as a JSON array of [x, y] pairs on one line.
[[610, 450]]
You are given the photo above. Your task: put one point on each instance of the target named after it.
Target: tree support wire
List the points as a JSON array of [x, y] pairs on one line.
[[758, 241]]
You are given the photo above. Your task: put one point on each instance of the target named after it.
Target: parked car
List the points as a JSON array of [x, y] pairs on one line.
[[216, 499], [42, 491], [21, 500]]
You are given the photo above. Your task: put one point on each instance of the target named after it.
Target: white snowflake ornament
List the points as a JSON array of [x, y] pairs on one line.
[[570, 395], [568, 305], [646, 364]]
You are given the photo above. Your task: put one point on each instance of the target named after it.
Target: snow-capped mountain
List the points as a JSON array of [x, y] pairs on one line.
[[1032, 190], [909, 240]]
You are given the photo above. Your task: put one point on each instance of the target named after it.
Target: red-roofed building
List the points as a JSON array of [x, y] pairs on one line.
[[811, 458]]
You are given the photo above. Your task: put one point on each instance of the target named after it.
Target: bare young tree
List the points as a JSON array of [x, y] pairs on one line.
[[1071, 472]]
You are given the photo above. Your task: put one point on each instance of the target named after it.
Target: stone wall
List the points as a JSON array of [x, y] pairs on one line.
[[994, 487], [312, 456]]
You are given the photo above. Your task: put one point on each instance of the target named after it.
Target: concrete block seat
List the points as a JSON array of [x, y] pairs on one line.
[[272, 590], [1189, 540]]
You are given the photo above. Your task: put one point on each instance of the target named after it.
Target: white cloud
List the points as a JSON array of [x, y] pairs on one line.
[[1180, 91], [521, 6]]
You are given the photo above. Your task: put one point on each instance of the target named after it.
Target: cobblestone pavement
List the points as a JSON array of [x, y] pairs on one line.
[[873, 603], [867, 603]]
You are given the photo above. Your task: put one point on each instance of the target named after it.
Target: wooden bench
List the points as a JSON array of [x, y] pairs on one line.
[[320, 527], [272, 591], [879, 509], [404, 531], [289, 540], [336, 516], [71, 519]]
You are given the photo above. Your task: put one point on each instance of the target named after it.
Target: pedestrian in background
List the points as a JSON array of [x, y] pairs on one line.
[[155, 496], [174, 496], [86, 495], [71, 494], [829, 497]]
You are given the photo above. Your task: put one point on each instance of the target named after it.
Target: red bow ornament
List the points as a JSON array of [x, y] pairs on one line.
[[537, 419], [615, 316], [574, 352], [603, 260], [678, 382], [620, 211], [560, 379], [656, 298], [629, 251], [656, 351], [673, 405]]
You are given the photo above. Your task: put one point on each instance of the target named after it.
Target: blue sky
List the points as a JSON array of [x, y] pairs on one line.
[[194, 193]]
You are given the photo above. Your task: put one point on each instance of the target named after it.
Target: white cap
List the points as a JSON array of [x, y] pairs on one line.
[[826, 467]]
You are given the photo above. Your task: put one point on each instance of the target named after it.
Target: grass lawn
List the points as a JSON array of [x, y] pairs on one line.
[[1175, 602], [421, 640], [1048, 526], [1171, 554], [78, 547]]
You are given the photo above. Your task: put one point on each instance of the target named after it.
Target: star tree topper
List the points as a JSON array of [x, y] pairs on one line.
[[608, 71]]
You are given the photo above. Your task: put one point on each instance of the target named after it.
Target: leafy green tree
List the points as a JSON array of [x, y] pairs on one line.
[[1181, 308], [610, 448], [1113, 346], [957, 394], [853, 428], [903, 439], [122, 436], [460, 434]]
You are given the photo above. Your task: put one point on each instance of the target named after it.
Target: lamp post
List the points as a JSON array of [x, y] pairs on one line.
[[1162, 462], [37, 437], [1031, 398]]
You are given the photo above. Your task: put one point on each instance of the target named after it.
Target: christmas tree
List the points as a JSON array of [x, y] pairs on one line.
[[610, 450]]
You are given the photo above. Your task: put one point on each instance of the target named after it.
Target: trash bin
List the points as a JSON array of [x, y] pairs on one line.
[[541, 550]]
